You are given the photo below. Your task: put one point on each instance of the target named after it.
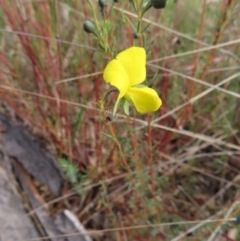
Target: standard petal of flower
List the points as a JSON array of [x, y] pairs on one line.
[[144, 99], [134, 62], [116, 75]]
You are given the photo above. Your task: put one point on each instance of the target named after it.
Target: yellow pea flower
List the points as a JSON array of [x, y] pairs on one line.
[[126, 73]]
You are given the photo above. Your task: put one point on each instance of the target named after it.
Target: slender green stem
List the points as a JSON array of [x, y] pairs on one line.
[[108, 93], [110, 127], [139, 24], [94, 14]]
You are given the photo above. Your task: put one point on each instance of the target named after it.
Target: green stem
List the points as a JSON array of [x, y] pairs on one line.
[[94, 14], [108, 93]]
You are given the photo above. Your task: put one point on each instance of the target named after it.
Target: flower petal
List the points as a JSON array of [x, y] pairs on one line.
[[145, 99], [116, 75], [134, 62]]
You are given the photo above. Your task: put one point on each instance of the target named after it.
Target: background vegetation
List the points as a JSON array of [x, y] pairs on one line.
[[158, 173]]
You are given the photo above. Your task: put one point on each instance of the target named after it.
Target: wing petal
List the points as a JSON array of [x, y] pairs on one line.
[[145, 99]]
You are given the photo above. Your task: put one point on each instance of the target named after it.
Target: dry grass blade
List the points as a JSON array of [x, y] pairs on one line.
[[78, 77], [237, 95], [138, 227], [182, 132], [45, 38], [175, 32], [197, 97], [237, 41], [139, 177]]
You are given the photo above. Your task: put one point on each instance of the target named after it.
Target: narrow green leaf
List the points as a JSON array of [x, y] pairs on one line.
[[130, 23], [147, 6], [146, 27], [109, 136], [126, 106], [76, 125], [133, 4], [116, 106]]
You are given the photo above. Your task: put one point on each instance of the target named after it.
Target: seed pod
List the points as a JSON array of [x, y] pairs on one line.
[[159, 3], [89, 27]]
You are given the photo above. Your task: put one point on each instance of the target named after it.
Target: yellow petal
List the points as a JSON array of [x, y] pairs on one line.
[[134, 62], [116, 75], [144, 99]]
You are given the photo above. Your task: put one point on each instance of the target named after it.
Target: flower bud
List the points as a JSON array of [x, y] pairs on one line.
[[89, 27], [109, 118], [159, 3], [238, 219], [102, 4], [135, 35]]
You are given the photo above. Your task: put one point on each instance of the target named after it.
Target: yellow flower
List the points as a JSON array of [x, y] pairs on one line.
[[126, 73]]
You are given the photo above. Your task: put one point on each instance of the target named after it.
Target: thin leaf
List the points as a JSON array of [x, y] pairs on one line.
[[146, 27], [130, 23], [115, 108], [126, 106], [109, 136], [76, 126]]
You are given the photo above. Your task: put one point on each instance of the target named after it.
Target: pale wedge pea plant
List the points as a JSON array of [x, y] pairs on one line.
[[127, 71]]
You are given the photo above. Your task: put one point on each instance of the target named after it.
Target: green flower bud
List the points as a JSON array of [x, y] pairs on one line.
[[109, 118], [102, 4], [89, 27], [135, 35], [159, 3]]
